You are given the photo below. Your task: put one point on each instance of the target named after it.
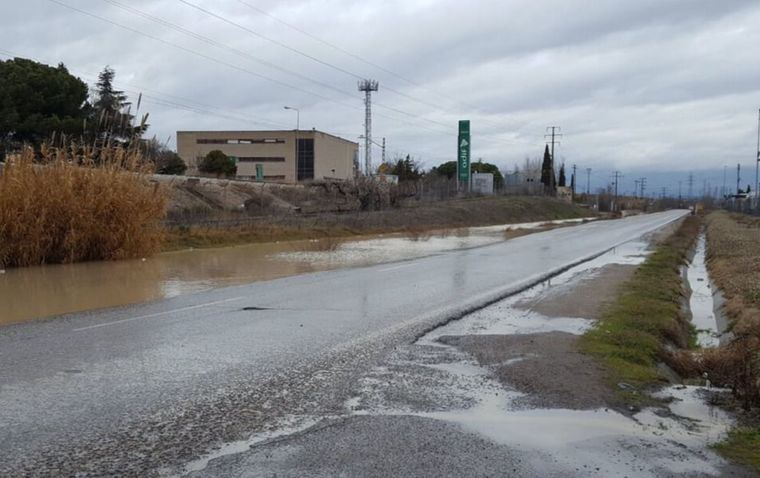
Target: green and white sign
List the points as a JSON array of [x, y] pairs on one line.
[[463, 153]]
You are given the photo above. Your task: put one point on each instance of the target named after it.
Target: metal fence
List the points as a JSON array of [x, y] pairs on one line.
[[744, 206]]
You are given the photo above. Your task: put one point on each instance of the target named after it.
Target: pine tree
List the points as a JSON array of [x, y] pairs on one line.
[[547, 172], [562, 179], [112, 119], [108, 101]]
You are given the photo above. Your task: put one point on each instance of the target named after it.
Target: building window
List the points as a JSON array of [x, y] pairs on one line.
[[262, 159], [240, 141], [305, 163], [275, 177]]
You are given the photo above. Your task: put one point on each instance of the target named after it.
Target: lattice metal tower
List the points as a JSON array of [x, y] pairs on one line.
[[368, 86]]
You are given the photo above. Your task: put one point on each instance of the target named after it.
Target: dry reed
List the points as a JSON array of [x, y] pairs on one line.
[[64, 206], [734, 263]]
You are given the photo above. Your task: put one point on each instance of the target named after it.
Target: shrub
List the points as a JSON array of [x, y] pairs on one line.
[[169, 162], [216, 162], [64, 208]]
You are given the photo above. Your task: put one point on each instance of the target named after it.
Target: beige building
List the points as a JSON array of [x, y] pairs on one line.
[[271, 155]]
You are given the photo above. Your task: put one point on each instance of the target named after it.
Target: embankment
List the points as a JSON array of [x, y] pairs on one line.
[[734, 262], [412, 218]]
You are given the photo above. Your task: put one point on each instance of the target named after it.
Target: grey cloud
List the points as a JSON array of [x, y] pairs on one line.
[[634, 84]]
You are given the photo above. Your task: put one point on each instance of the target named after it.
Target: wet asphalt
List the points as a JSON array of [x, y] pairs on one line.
[[143, 389]]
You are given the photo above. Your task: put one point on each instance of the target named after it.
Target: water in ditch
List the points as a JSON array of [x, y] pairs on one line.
[[701, 301]]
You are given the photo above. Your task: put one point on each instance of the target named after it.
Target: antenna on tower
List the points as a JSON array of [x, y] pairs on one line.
[[368, 86]]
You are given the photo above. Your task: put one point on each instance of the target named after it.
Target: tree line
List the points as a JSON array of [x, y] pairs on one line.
[[41, 104]]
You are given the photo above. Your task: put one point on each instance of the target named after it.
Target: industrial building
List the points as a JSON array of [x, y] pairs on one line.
[[280, 156]]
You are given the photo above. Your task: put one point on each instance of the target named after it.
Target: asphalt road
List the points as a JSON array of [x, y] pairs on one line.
[[145, 388]]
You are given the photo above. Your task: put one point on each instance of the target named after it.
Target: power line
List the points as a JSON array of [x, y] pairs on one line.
[[297, 51], [354, 55], [327, 64], [308, 56], [238, 68], [196, 53], [221, 45], [261, 76]]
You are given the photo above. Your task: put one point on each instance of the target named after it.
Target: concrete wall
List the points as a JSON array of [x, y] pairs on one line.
[[333, 156]]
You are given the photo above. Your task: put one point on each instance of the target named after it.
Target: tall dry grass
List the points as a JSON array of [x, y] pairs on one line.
[[734, 263], [60, 205]]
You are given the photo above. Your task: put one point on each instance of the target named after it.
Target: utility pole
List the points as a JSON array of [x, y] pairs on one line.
[[643, 182], [368, 86], [690, 182], [383, 150], [617, 180], [724, 191], [574, 177], [636, 189], [679, 190], [554, 134], [588, 181], [738, 178]]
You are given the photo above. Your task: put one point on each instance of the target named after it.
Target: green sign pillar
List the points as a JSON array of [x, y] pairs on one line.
[[463, 153], [259, 172]]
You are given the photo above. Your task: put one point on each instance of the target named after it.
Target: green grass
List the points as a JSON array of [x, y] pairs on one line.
[[630, 337], [743, 446]]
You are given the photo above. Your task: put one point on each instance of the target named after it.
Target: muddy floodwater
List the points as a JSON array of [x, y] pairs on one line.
[[38, 292]]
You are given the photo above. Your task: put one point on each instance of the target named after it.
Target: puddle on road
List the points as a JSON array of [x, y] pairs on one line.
[[35, 292], [701, 302], [504, 318]]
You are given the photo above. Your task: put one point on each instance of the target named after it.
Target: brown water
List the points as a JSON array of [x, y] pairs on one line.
[[36, 292]]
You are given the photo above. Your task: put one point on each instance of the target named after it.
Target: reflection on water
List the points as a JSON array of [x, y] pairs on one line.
[[36, 292]]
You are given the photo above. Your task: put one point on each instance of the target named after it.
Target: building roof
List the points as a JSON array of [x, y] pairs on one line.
[[268, 131]]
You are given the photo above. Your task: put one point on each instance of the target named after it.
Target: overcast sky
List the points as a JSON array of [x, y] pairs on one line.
[[635, 85]]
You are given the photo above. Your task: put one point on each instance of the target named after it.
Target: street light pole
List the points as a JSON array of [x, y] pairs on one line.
[[298, 127]]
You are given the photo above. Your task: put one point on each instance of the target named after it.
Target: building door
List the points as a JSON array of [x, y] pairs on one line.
[[305, 160]]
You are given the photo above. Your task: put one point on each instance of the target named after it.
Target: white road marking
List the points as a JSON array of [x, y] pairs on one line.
[[149, 316], [395, 268]]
